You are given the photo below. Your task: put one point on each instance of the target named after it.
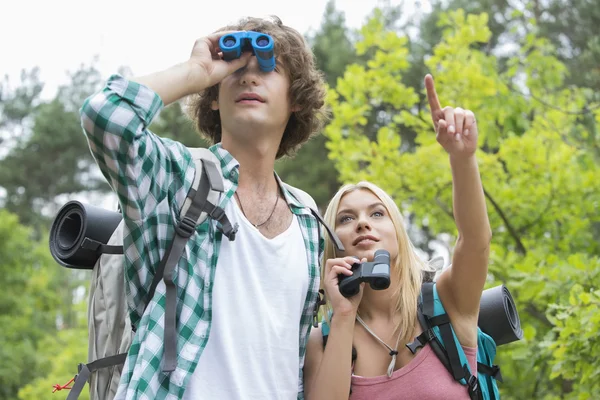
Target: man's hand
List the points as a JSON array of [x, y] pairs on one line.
[[456, 128], [207, 68], [203, 69]]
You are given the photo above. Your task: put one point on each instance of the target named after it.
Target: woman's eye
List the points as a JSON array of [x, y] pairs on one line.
[[378, 214], [344, 218]]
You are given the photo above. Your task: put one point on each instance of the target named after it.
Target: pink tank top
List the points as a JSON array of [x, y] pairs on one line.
[[425, 377]]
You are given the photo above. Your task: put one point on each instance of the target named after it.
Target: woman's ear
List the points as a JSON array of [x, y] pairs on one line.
[[296, 108], [214, 105]]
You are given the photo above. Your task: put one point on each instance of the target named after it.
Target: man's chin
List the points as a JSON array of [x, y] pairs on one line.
[[251, 124]]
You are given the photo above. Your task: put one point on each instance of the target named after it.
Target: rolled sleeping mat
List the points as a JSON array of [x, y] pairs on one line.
[[498, 316], [77, 231]]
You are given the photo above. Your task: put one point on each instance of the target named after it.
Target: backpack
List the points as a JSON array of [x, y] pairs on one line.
[[438, 331], [109, 326]]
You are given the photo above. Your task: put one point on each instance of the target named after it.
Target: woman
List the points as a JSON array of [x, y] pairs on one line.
[[379, 323]]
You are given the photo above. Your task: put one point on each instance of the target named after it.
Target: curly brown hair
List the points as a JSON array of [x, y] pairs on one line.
[[307, 87]]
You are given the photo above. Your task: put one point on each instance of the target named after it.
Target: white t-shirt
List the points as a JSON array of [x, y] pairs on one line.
[[259, 292]]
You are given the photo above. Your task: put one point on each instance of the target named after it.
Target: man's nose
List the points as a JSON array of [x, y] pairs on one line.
[[250, 74]]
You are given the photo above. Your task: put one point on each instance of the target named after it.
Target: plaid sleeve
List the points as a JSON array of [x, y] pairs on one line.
[[142, 168]]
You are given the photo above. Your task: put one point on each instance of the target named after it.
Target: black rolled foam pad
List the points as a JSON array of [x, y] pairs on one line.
[[75, 222], [498, 316]]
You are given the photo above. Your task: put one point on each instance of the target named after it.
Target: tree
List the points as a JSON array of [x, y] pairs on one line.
[[538, 160], [60, 352], [29, 303], [570, 26], [332, 44], [17, 106], [173, 123], [310, 169], [50, 155]]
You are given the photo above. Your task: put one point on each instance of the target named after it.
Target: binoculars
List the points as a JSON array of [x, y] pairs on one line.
[[260, 44], [376, 273]]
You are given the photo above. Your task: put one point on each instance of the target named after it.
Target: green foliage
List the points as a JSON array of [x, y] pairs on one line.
[[539, 164], [577, 325], [310, 169], [60, 353], [332, 44], [539, 159], [174, 124], [49, 155], [29, 303]]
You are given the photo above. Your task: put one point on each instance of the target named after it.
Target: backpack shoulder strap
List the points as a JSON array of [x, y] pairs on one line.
[[325, 331], [208, 172], [438, 331], [201, 202]]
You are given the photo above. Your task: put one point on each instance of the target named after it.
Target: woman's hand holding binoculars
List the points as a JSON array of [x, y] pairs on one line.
[[333, 269]]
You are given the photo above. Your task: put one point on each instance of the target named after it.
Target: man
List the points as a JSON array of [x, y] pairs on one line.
[[244, 307]]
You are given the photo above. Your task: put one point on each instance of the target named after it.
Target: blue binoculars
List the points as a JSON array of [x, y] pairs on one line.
[[260, 44]]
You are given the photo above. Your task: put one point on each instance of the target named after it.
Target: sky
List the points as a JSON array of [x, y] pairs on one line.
[[147, 36]]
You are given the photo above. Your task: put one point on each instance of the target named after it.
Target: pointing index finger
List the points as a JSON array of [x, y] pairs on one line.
[[432, 97]]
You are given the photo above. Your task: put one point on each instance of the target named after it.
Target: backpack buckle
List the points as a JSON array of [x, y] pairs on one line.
[[473, 383], [186, 227], [496, 374], [421, 340], [217, 213], [320, 301]]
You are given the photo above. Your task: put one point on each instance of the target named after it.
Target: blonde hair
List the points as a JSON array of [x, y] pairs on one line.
[[408, 268]]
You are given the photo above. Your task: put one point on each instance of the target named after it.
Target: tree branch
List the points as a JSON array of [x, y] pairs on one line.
[[526, 226], [441, 204], [585, 110], [537, 314], [511, 230]]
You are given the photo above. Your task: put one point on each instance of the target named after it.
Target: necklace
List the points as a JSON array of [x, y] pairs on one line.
[[243, 212], [393, 352]]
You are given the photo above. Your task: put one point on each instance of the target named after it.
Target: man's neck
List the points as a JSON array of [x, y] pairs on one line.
[[257, 163]]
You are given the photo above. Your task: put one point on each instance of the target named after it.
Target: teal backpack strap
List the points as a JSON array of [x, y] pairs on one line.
[[324, 331], [438, 331]]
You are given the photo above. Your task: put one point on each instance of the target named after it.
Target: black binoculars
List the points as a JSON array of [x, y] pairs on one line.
[[376, 273]]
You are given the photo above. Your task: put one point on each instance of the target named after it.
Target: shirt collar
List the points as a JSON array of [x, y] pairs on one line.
[[230, 167]]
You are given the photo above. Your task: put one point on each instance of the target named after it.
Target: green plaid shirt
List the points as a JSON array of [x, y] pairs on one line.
[[151, 177]]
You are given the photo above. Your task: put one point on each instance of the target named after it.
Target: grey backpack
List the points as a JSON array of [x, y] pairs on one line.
[[88, 237]]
